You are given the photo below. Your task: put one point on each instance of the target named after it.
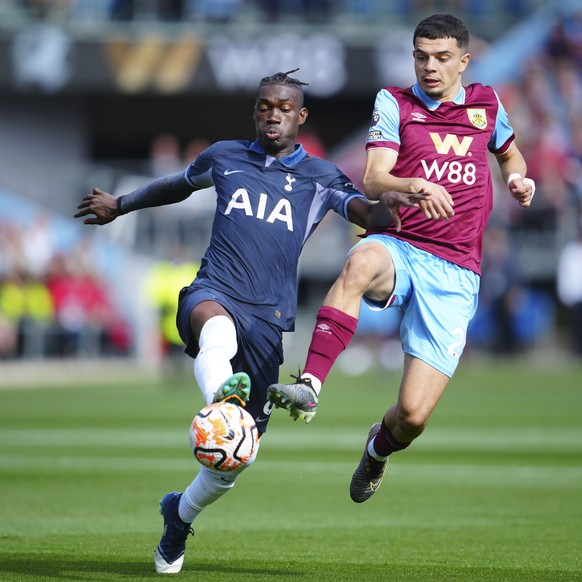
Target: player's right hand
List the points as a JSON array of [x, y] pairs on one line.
[[100, 204], [393, 200]]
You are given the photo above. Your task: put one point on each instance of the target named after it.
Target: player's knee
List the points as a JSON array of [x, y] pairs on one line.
[[411, 421], [359, 270], [219, 333]]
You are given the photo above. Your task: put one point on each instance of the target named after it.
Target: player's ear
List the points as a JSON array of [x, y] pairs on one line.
[[465, 61], [303, 113]]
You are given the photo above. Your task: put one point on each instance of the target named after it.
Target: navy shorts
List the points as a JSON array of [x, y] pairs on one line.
[[260, 346]]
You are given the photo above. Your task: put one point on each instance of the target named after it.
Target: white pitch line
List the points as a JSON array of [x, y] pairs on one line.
[[335, 439], [492, 475]]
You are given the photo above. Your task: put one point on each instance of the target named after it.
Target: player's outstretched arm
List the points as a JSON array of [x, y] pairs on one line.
[[105, 207]]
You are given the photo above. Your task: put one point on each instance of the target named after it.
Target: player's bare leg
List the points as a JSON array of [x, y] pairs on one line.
[[420, 390]]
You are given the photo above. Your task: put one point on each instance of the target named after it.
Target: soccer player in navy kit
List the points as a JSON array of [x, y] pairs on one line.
[[433, 137], [271, 195]]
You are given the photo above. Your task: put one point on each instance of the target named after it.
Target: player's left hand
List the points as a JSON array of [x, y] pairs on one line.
[[522, 189]]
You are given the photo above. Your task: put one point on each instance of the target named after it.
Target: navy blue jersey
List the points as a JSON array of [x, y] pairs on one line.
[[266, 210]]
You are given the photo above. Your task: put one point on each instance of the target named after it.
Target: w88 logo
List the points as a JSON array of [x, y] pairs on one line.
[[454, 172]]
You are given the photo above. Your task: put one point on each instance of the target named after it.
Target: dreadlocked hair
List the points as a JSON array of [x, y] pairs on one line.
[[283, 79]]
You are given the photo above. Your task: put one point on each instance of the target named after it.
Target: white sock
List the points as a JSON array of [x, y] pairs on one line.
[[315, 382], [208, 486], [217, 347]]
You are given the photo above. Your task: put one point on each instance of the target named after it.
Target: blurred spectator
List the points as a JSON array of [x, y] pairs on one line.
[[26, 311], [88, 324], [307, 10], [8, 320], [500, 289], [165, 155], [170, 10], [8, 337], [312, 143], [162, 287], [215, 11], [38, 243], [122, 9], [12, 257], [569, 287], [193, 149]]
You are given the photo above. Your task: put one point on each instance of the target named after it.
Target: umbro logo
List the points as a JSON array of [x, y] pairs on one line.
[[418, 116], [324, 328], [229, 172]]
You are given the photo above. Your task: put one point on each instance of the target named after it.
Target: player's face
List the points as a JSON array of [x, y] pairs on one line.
[[438, 65], [279, 112]]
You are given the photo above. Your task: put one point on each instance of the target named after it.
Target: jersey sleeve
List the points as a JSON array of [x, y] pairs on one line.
[[199, 172], [503, 135], [385, 127], [338, 194]]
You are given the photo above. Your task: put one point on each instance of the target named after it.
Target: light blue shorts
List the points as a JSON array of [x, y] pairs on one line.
[[438, 299]]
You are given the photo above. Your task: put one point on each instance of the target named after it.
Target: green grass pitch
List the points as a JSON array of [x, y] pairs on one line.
[[491, 492]]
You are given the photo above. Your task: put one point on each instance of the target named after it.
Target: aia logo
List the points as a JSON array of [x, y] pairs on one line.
[[263, 208]]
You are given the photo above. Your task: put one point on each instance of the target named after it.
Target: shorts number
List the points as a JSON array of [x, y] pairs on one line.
[[456, 348]]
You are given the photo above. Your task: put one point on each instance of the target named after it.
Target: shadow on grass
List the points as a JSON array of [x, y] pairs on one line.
[[73, 569]]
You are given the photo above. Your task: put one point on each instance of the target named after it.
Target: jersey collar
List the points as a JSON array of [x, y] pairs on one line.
[[288, 161], [431, 103]]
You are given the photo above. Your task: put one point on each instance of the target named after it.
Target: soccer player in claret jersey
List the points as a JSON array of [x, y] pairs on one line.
[[433, 137], [271, 195]]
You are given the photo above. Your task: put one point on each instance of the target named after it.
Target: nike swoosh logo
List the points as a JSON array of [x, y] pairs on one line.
[[259, 419], [229, 172]]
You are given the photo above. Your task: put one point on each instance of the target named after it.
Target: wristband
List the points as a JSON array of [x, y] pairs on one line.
[[512, 177], [532, 184]]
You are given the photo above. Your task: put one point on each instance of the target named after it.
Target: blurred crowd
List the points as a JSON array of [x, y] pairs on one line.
[[545, 106], [53, 303], [272, 11]]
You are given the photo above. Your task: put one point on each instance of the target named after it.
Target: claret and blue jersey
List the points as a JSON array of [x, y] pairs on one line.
[[445, 143], [266, 210]]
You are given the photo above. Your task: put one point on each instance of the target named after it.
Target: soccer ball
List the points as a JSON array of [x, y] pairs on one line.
[[224, 436]]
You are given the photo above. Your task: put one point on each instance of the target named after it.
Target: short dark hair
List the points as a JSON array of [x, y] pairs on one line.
[[282, 79], [443, 26]]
